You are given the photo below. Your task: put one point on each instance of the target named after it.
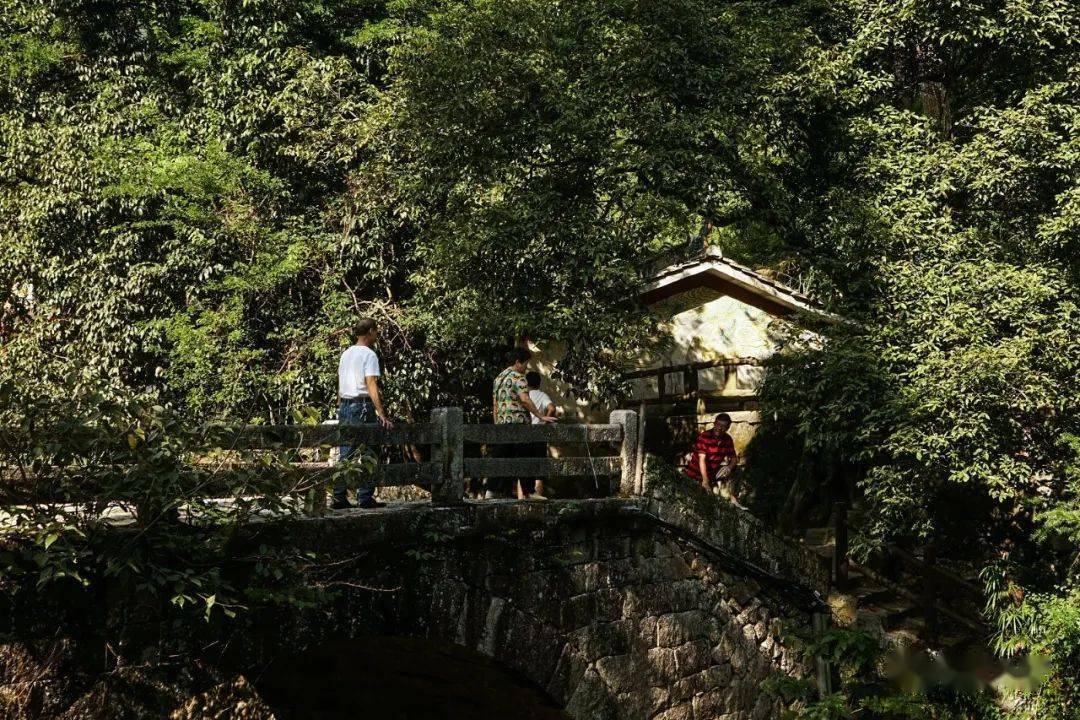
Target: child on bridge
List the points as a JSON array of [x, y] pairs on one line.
[[533, 488]]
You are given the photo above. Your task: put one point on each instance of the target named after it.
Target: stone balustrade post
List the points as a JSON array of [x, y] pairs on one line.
[[628, 453], [447, 453]]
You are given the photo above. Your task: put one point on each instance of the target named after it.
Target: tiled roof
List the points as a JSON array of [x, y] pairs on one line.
[[712, 268]]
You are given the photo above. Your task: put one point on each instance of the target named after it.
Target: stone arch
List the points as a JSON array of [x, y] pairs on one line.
[[607, 613], [459, 601], [608, 609], [384, 678]]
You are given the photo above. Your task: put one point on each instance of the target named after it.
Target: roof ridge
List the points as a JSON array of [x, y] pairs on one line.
[[712, 260]]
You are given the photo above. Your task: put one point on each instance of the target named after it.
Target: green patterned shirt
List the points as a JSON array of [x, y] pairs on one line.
[[508, 388]]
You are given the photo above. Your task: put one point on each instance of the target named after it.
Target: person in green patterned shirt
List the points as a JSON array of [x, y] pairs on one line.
[[511, 406]]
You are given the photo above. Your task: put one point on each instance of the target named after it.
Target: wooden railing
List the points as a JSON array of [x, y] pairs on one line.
[[683, 382], [448, 467], [922, 581], [435, 451]]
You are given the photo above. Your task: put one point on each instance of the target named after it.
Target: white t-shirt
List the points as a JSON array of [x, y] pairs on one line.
[[541, 400], [358, 363]]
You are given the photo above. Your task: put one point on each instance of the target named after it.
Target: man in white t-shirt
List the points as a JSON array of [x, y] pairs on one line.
[[359, 403], [533, 489]]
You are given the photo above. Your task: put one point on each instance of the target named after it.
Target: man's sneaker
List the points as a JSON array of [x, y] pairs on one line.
[[535, 496], [341, 505], [370, 504]]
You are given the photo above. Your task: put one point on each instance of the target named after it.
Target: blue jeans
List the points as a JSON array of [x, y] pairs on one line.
[[354, 412]]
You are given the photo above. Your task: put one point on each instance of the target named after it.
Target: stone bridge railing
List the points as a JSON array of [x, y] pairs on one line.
[[613, 452], [446, 435]]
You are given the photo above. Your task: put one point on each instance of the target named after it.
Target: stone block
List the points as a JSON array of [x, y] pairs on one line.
[[642, 703], [683, 711], [584, 578], [572, 554], [664, 548], [682, 690], [591, 699], [764, 709], [493, 628], [713, 630], [603, 639], [677, 628], [577, 611], [661, 665], [568, 670], [737, 656], [646, 631], [673, 567], [643, 546], [719, 675], [609, 604], [749, 613], [535, 588], [741, 592], [616, 548], [744, 693], [619, 573], [710, 705], [619, 672], [692, 657], [691, 685], [685, 595], [529, 644], [649, 599]]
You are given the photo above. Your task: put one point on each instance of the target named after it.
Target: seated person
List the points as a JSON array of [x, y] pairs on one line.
[[714, 458]]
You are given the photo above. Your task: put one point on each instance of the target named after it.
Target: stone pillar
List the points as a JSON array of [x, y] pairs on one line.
[[821, 665], [447, 451], [315, 500], [639, 463], [627, 450]]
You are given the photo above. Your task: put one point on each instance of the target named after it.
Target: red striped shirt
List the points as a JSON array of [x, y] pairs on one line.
[[717, 447]]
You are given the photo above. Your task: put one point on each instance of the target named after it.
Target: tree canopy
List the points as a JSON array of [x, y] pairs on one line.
[[198, 198]]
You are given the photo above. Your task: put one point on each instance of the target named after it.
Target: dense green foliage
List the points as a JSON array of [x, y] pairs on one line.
[[892, 684], [197, 198], [950, 234]]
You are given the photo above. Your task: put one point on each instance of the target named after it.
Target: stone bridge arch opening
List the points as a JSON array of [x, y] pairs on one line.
[[399, 678], [604, 609]]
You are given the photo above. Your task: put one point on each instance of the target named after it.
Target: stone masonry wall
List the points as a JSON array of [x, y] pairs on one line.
[[596, 604], [604, 610]]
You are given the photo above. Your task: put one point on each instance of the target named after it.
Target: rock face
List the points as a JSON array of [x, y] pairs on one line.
[[598, 608]]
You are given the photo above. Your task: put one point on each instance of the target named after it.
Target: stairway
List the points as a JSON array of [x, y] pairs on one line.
[[886, 599]]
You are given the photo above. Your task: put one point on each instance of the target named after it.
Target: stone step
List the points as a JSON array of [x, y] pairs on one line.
[[896, 607], [872, 594], [819, 536]]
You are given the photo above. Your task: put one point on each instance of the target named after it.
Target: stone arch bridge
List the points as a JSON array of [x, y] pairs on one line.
[[661, 602], [677, 608]]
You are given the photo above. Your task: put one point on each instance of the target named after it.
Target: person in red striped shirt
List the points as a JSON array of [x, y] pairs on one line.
[[714, 458]]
